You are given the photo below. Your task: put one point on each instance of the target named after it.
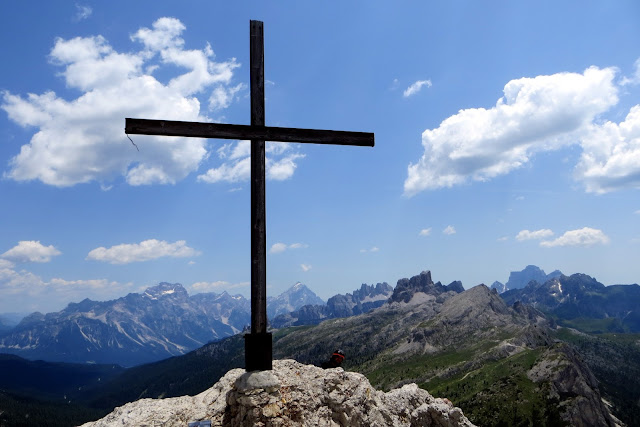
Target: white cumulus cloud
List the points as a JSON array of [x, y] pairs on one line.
[[582, 237], [416, 87], [611, 155], [280, 247], [280, 162], [305, 267], [277, 248], [534, 115], [30, 251], [450, 229], [82, 12], [425, 232], [534, 235], [80, 140], [143, 251], [635, 77]]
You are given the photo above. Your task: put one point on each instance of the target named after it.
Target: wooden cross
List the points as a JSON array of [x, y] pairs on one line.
[[258, 344]]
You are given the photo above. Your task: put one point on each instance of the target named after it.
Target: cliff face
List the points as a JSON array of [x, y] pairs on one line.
[[293, 394], [570, 381]]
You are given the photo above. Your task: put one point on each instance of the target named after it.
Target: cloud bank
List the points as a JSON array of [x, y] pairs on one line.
[[217, 286], [585, 237], [534, 235], [30, 292], [280, 247], [143, 251], [582, 237], [534, 115]]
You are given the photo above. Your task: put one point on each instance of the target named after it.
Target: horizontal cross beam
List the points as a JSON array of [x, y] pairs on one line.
[[264, 133]]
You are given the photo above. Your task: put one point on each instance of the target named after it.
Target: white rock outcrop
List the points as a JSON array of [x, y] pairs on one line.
[[292, 394]]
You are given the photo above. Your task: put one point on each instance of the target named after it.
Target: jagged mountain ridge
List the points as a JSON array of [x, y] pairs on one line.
[[469, 346], [360, 301], [161, 322]]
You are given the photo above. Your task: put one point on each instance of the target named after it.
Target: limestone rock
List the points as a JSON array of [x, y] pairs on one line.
[[406, 289], [293, 394]]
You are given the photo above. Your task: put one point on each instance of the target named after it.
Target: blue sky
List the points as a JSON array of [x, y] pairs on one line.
[[507, 134]]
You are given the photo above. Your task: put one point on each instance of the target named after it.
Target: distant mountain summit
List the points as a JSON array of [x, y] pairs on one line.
[[520, 279], [162, 290], [9, 320], [293, 298]]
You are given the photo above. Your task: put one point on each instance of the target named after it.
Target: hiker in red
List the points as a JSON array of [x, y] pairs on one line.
[[336, 360]]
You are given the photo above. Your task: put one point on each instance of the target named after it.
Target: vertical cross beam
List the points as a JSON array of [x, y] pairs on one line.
[[258, 344]]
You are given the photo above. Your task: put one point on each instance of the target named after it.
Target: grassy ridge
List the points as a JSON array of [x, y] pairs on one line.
[[500, 393], [497, 393]]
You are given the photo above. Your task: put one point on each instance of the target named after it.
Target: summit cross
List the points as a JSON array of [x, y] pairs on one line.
[[258, 343]]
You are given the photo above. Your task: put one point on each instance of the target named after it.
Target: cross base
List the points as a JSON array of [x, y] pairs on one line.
[[258, 351]]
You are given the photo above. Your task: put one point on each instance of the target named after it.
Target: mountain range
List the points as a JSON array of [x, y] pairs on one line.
[[161, 322], [503, 365], [582, 302], [360, 301]]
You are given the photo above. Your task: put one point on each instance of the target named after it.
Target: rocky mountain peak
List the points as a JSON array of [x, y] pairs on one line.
[[455, 286], [406, 288], [290, 300], [499, 286], [372, 291], [292, 394], [479, 300], [520, 279], [164, 289]]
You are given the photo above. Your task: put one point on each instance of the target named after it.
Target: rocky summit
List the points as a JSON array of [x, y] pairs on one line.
[[293, 394]]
